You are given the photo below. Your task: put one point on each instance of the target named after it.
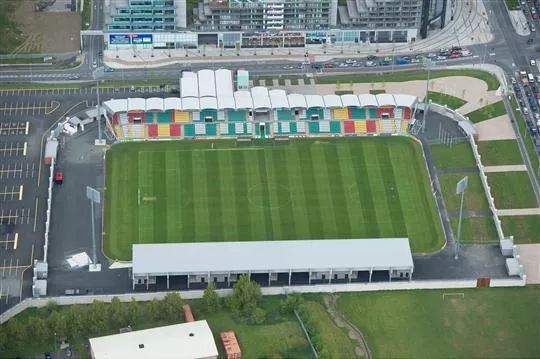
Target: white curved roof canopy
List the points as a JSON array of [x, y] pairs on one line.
[[206, 103], [226, 102], [314, 101], [190, 104], [116, 105], [350, 100], [189, 87], [136, 104], [155, 104], [172, 103], [386, 99], [261, 99], [207, 83], [278, 98], [332, 101], [297, 101], [405, 100], [243, 100], [224, 83], [367, 100]]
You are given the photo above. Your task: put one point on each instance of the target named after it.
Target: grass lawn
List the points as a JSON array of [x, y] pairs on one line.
[[308, 189], [448, 100], [456, 156], [525, 229], [486, 323], [10, 30], [512, 4], [502, 152], [485, 113], [405, 75], [475, 229], [335, 340], [24, 60], [86, 15], [475, 199], [511, 190], [529, 145]]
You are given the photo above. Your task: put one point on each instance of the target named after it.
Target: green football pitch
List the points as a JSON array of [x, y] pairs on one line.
[[200, 191]]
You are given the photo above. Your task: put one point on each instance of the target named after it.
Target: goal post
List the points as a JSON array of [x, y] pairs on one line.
[[453, 295]]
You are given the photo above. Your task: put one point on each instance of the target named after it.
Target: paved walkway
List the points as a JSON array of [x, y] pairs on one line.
[[458, 170], [519, 22], [506, 168], [530, 259], [498, 128], [486, 213], [519, 212]]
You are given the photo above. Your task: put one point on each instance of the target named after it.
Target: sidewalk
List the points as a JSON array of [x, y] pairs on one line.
[[469, 27], [505, 168], [519, 212], [519, 22], [530, 259]]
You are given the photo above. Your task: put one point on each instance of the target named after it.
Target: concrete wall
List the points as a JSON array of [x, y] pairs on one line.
[[321, 288]]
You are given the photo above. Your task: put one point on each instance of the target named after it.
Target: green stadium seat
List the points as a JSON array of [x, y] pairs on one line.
[[236, 115], [315, 111], [189, 130], [285, 115], [208, 113], [211, 129], [358, 113], [335, 127], [313, 127], [163, 117], [373, 113]]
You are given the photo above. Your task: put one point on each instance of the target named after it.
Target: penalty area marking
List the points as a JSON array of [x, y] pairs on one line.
[[459, 295]]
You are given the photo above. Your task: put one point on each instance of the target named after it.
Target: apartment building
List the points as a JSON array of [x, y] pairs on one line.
[[262, 15]]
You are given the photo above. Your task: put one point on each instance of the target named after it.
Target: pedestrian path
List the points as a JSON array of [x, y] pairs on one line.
[[529, 257], [518, 212], [485, 213], [458, 170], [506, 168]]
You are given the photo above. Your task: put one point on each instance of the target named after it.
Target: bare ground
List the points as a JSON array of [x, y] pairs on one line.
[[47, 32]]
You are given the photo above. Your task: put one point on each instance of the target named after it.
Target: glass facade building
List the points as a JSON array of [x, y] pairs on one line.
[[146, 15]]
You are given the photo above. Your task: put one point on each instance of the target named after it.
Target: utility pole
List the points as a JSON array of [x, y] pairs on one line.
[[460, 189], [97, 73], [95, 197]]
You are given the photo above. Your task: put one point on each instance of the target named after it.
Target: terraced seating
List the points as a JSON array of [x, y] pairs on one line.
[[208, 113], [234, 128], [285, 128], [196, 116], [313, 128], [314, 111], [129, 131], [404, 126], [123, 118], [335, 127], [371, 126], [152, 130], [221, 116], [348, 127], [407, 113], [327, 114], [163, 117], [163, 130], [341, 114], [119, 132], [181, 116], [136, 115], [175, 130], [115, 119], [357, 113], [300, 127], [324, 126], [236, 115], [360, 126], [189, 130], [387, 126], [399, 113], [266, 129], [385, 110], [372, 113], [285, 115]]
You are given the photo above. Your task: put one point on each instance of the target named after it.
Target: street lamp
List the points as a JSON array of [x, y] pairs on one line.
[[460, 189], [97, 74]]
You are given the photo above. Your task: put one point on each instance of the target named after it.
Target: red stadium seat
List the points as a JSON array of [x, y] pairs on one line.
[[175, 130], [152, 130], [371, 126], [348, 126]]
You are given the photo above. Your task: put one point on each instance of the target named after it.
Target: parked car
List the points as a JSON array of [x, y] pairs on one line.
[[371, 64], [330, 65], [108, 69], [454, 55], [533, 63], [74, 77], [441, 58], [525, 111], [59, 177], [372, 57]]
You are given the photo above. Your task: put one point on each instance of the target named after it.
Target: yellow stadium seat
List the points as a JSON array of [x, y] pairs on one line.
[[360, 127], [180, 116], [163, 130], [341, 114]]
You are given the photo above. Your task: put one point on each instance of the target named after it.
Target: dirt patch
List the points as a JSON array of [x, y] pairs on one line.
[[361, 350], [47, 32], [149, 198]]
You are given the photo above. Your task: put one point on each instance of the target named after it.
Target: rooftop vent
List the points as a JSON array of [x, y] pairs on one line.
[[141, 346]]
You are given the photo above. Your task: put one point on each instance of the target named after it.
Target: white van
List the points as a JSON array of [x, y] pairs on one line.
[[531, 78]]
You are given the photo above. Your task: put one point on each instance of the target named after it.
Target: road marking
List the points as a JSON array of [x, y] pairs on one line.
[[21, 193], [35, 213], [27, 127], [25, 148]]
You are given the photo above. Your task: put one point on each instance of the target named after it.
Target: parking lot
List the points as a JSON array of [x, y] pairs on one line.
[[90, 91]]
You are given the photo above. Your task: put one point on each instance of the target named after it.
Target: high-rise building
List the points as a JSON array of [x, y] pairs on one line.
[[261, 15], [145, 15]]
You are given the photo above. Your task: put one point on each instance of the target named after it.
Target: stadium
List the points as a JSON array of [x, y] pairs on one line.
[[263, 166]]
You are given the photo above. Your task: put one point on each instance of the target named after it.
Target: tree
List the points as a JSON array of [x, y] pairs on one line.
[[15, 334], [258, 316], [37, 330], [247, 294], [98, 316], [133, 312], [172, 306], [117, 313], [211, 299], [153, 310], [76, 321], [291, 303], [56, 324]]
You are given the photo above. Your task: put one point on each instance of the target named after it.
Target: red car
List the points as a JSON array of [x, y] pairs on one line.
[[58, 177], [454, 56], [330, 65]]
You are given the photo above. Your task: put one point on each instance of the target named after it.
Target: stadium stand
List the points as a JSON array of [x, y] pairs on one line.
[[213, 109]]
